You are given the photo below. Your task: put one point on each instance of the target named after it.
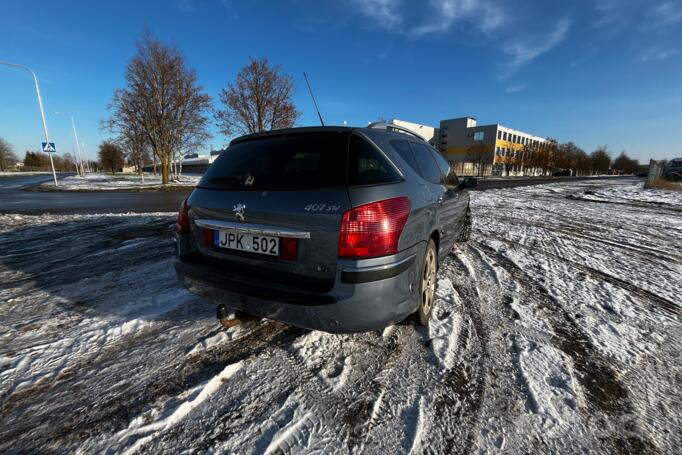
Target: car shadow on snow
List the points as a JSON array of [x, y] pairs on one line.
[[95, 266]]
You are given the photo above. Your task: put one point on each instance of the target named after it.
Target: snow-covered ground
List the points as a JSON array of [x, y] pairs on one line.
[[22, 173], [108, 182], [557, 330]]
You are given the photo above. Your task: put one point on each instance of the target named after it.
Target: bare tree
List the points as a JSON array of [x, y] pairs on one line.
[[481, 155], [7, 156], [136, 148], [601, 159], [625, 164], [260, 99], [163, 100], [110, 156]]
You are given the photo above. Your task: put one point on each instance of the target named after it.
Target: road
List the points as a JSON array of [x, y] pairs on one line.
[[556, 330], [13, 198]]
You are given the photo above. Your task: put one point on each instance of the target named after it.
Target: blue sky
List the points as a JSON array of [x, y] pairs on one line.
[[592, 72]]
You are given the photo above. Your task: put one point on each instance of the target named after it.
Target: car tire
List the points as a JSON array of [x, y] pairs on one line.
[[427, 283], [465, 232]]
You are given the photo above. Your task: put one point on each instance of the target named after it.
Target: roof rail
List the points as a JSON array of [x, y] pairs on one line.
[[394, 127]]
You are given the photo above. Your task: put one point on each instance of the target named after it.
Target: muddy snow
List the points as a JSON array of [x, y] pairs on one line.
[[556, 329]]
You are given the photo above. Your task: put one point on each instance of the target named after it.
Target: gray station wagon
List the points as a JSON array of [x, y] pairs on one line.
[[331, 228]]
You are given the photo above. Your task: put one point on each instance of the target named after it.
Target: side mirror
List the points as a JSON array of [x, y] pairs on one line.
[[469, 182]]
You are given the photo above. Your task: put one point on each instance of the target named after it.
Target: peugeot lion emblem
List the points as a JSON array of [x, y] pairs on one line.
[[239, 211]]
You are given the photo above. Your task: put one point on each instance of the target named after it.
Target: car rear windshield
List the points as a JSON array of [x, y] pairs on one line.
[[299, 162], [290, 162]]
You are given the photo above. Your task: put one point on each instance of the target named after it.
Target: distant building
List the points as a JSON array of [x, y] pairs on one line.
[[496, 148], [479, 149]]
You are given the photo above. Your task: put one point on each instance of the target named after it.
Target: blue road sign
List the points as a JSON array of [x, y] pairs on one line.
[[48, 147]]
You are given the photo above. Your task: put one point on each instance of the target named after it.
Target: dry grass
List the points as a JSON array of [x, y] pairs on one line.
[[662, 184]]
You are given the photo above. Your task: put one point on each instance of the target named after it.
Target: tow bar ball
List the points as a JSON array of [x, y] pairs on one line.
[[223, 316]]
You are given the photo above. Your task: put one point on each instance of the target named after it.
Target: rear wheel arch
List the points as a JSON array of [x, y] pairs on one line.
[[435, 236]]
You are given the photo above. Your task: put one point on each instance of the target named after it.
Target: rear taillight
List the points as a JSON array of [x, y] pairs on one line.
[[373, 229], [182, 226], [288, 249], [208, 237]]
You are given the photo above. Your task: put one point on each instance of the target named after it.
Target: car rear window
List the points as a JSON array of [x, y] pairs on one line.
[[291, 162], [368, 166], [299, 162]]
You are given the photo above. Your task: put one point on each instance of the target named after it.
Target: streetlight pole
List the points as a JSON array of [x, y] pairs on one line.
[[85, 147], [75, 136], [42, 112]]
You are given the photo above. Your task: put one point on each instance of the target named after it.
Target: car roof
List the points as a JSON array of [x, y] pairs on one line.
[[317, 129]]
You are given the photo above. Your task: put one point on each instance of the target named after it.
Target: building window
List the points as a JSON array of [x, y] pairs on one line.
[[499, 134], [504, 135], [478, 135]]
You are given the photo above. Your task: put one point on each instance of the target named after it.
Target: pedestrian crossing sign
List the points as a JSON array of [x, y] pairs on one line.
[[48, 147]]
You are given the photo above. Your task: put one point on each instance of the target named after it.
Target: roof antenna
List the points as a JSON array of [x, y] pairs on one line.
[[313, 97]]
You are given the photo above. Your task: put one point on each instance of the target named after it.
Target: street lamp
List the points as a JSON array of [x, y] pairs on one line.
[[75, 136], [85, 147], [42, 112]]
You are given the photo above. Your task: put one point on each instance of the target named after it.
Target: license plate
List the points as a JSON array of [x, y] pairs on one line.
[[260, 244]]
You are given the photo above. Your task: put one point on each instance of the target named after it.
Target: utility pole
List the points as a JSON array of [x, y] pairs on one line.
[[78, 147], [42, 112]]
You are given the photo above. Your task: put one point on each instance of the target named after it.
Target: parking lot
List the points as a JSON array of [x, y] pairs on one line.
[[557, 328]]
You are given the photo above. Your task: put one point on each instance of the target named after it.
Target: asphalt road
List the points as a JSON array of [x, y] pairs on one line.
[[13, 198]]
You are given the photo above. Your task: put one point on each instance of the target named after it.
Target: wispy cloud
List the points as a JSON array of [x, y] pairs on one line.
[[185, 6], [663, 15], [385, 13], [515, 89], [609, 13], [657, 54], [522, 52], [485, 14], [488, 16]]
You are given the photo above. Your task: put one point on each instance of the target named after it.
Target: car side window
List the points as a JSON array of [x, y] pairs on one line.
[[405, 152], [450, 178], [367, 166], [426, 164]]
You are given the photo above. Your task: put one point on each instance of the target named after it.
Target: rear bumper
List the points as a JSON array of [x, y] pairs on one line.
[[362, 299]]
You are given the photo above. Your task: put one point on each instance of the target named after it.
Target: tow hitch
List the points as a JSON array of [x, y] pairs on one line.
[[222, 315]]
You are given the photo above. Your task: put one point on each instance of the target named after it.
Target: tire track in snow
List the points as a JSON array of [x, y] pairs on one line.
[[597, 376], [467, 380], [124, 401], [669, 307]]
